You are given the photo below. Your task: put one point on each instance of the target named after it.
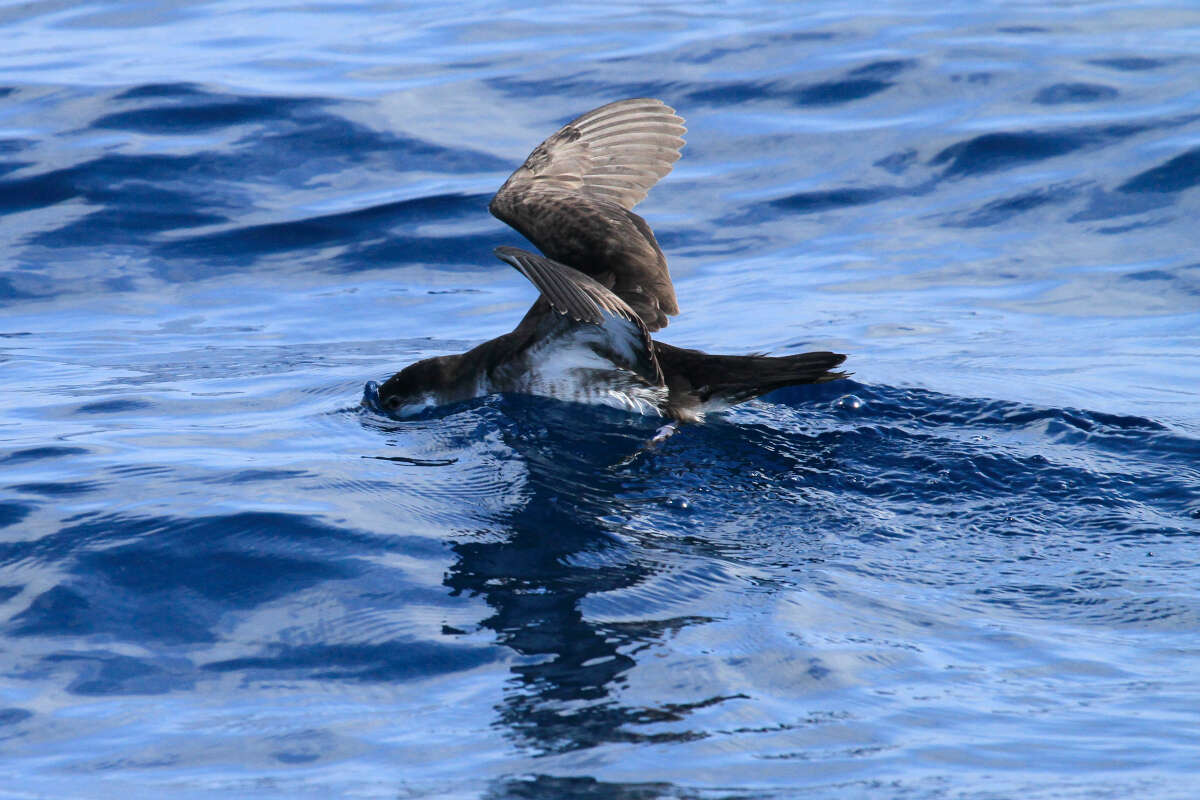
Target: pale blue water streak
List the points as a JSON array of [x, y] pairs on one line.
[[969, 572]]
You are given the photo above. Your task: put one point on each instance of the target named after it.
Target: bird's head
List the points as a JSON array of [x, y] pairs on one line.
[[417, 387]]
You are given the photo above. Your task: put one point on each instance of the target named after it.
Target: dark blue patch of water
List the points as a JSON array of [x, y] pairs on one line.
[[968, 569]]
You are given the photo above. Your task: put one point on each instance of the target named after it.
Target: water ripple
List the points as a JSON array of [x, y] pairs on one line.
[[221, 573]]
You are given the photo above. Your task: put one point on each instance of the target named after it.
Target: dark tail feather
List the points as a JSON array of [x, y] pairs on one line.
[[753, 376], [734, 379]]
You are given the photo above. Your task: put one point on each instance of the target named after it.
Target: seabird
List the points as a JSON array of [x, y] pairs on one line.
[[604, 288]]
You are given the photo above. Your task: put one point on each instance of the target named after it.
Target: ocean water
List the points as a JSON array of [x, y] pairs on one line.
[[970, 571]]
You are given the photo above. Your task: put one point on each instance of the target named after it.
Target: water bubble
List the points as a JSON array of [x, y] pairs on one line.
[[848, 402], [679, 503]]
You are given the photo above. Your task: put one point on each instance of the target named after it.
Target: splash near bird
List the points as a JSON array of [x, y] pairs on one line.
[[604, 288]]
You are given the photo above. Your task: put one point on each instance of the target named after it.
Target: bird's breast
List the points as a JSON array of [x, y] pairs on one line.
[[570, 368]]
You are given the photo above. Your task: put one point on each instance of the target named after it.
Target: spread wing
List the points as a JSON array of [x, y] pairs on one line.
[[573, 198], [573, 294]]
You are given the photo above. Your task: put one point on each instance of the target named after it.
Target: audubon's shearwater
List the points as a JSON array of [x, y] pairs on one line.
[[604, 288]]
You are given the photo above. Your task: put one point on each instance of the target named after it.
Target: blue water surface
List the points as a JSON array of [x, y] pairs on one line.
[[970, 571]]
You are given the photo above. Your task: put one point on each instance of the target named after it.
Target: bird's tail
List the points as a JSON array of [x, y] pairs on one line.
[[735, 379]]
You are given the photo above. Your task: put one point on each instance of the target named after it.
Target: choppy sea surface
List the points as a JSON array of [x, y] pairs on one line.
[[970, 571]]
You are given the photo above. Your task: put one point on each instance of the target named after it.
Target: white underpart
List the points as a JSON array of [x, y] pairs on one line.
[[417, 405], [568, 368], [622, 336]]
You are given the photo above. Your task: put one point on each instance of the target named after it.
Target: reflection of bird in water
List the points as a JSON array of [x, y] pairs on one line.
[[604, 287]]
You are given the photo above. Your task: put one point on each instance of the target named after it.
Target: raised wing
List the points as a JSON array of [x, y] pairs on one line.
[[617, 151], [573, 294], [574, 194]]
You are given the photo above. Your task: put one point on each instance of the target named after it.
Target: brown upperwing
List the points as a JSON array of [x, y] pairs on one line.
[[573, 198], [573, 294]]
